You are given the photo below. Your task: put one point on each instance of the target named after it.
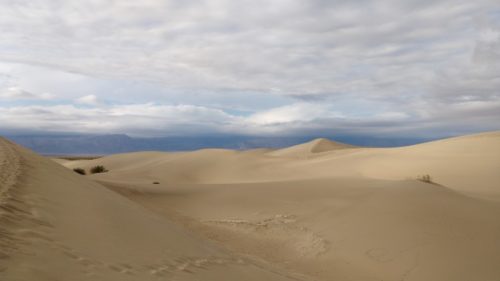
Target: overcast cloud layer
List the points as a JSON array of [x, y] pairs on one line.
[[182, 67]]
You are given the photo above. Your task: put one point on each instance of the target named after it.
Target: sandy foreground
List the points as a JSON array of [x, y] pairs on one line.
[[316, 211]]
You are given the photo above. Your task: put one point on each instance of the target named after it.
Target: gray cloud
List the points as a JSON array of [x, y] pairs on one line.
[[296, 119], [431, 61]]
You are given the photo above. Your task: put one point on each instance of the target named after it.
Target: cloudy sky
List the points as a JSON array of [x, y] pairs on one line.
[[414, 68]]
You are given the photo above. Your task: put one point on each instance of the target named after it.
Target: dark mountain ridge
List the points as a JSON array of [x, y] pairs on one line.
[[77, 144]]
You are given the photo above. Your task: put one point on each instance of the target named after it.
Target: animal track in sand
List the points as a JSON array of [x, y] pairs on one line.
[[265, 223], [159, 268], [380, 255], [189, 265], [279, 227]]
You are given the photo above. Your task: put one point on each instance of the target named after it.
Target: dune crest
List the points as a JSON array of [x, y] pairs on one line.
[[315, 146]]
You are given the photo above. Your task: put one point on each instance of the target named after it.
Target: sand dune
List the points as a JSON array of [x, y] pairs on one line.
[[57, 225], [316, 211], [467, 164]]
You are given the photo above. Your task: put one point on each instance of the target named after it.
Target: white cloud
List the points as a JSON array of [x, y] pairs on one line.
[[139, 119], [392, 115], [88, 100], [299, 112], [16, 93], [299, 119]]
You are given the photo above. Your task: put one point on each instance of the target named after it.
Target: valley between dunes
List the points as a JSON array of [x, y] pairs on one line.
[[316, 211]]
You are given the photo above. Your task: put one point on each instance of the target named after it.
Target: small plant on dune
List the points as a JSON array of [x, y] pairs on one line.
[[425, 178], [79, 171], [156, 182], [98, 169]]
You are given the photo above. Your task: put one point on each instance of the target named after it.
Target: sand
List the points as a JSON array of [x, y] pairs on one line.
[[57, 225], [316, 211]]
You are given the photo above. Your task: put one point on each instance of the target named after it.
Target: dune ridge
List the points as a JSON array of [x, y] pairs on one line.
[[315, 146], [9, 201]]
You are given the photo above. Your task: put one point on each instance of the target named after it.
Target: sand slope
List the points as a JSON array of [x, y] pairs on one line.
[[57, 225], [341, 229], [333, 212]]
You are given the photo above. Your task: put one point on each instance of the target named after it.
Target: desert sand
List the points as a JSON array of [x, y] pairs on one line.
[[316, 211]]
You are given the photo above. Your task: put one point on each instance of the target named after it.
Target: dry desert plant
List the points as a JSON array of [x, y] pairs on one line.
[[98, 169], [79, 171], [425, 178]]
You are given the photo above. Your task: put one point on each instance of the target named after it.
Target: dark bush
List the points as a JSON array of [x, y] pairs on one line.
[[425, 178], [79, 171], [98, 169], [156, 182]]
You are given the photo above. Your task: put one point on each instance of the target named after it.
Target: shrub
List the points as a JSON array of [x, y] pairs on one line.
[[79, 171], [98, 169], [156, 182], [425, 178]]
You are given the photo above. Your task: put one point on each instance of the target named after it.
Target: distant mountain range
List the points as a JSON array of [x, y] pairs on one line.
[[120, 143]]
